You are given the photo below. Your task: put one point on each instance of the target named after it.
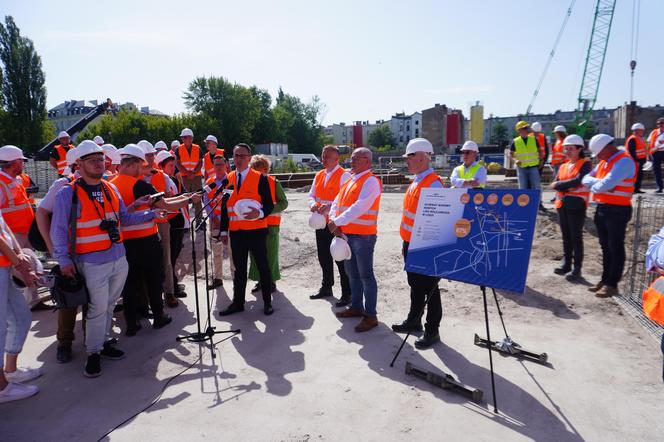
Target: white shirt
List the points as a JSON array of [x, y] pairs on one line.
[[2, 194], [480, 176], [370, 191], [312, 192], [48, 201]]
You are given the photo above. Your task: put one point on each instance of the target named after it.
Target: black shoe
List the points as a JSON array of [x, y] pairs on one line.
[[232, 308], [145, 313], [161, 321], [180, 294], [110, 352], [216, 282], [639, 191], [93, 366], [407, 327], [118, 308], [658, 191], [427, 341], [41, 306], [575, 275], [343, 301], [322, 293], [133, 329], [64, 354], [112, 341], [256, 288], [565, 268], [268, 310]]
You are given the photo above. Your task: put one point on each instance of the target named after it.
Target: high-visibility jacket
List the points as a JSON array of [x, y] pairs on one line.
[[568, 171], [325, 193], [621, 195], [16, 208], [558, 154], [208, 163], [213, 204], [273, 219], [641, 146], [125, 185], [158, 181], [541, 140], [5, 234], [62, 157], [367, 223], [526, 152], [653, 301], [89, 236], [652, 138], [248, 190], [468, 173], [410, 201], [25, 180], [189, 161]]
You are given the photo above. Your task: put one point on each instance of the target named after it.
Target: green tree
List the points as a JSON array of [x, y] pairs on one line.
[[297, 123], [381, 136], [499, 133], [23, 91]]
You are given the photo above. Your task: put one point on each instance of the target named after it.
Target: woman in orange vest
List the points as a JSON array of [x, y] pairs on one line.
[[261, 163], [571, 204]]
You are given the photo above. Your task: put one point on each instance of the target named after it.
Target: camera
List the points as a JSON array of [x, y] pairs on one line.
[[111, 226]]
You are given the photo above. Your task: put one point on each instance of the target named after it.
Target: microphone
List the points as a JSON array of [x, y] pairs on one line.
[[228, 191], [207, 188]]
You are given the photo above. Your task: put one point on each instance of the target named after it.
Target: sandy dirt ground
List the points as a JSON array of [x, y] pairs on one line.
[[304, 375]]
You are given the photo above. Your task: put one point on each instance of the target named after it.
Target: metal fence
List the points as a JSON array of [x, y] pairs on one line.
[[42, 174], [647, 220]]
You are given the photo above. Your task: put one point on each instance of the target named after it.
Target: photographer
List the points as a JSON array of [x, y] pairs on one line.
[[99, 254]]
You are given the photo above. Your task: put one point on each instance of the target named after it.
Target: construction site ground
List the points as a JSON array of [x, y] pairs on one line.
[[304, 375]]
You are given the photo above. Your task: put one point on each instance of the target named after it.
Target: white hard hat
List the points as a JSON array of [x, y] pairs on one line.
[[162, 155], [175, 144], [99, 140], [63, 134], [242, 207], [471, 146], [160, 145], [599, 142], [132, 150], [573, 140], [418, 145], [146, 146], [636, 126], [110, 151], [212, 138], [339, 249], [560, 128], [536, 126], [87, 147], [70, 157], [186, 132], [317, 221], [11, 153]]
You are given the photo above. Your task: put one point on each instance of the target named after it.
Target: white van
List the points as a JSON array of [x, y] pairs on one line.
[[306, 159]]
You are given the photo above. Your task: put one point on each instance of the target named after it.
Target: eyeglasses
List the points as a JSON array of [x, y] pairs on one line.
[[467, 152], [240, 155]]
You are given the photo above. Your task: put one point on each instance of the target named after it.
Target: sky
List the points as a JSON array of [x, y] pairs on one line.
[[365, 60]]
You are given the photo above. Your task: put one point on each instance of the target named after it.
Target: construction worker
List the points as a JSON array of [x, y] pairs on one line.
[[59, 153], [653, 296], [212, 151], [557, 151], [213, 209], [571, 204], [612, 185], [99, 141], [261, 164], [541, 143], [246, 227], [111, 160], [638, 149], [470, 173], [656, 151], [525, 150], [174, 147], [354, 215], [324, 190], [418, 158], [189, 161], [159, 146], [144, 250]]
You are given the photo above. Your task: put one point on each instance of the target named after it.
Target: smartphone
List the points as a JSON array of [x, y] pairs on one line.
[[156, 197]]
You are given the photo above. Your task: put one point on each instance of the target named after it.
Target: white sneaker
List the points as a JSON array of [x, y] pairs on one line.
[[14, 392], [23, 374]]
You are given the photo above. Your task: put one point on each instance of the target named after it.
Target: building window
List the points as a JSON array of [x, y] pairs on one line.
[[401, 139], [417, 132], [417, 122]]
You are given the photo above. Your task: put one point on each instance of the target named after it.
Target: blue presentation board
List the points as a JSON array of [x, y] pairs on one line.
[[477, 236]]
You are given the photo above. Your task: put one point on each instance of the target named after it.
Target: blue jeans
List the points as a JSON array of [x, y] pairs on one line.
[[15, 316], [363, 287], [529, 177]]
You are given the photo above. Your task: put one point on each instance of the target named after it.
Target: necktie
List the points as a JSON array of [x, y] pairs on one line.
[[239, 181]]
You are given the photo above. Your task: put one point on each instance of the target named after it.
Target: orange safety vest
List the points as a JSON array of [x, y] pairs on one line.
[[208, 163], [248, 190], [410, 201], [324, 194], [4, 233], [557, 154], [158, 181], [16, 208], [62, 157], [653, 301], [367, 223], [25, 180], [569, 171], [621, 195], [89, 236], [541, 140], [211, 203], [641, 147], [652, 138], [125, 185], [188, 161], [273, 219]]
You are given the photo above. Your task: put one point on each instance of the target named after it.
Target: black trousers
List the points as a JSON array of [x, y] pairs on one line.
[[657, 160], [323, 241], [177, 235], [146, 272], [420, 287], [571, 226], [611, 222], [243, 242], [639, 173]]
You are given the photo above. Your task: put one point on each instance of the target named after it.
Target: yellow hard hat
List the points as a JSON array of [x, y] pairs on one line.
[[521, 125]]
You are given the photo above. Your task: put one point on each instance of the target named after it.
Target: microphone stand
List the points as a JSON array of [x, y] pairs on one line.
[[200, 336]]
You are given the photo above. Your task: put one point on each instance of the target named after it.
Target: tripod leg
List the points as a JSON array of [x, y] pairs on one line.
[[500, 312], [488, 336]]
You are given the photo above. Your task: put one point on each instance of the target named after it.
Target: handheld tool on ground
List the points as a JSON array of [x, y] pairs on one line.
[[446, 382]]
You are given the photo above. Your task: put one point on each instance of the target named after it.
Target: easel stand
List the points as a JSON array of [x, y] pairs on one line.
[[208, 334]]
